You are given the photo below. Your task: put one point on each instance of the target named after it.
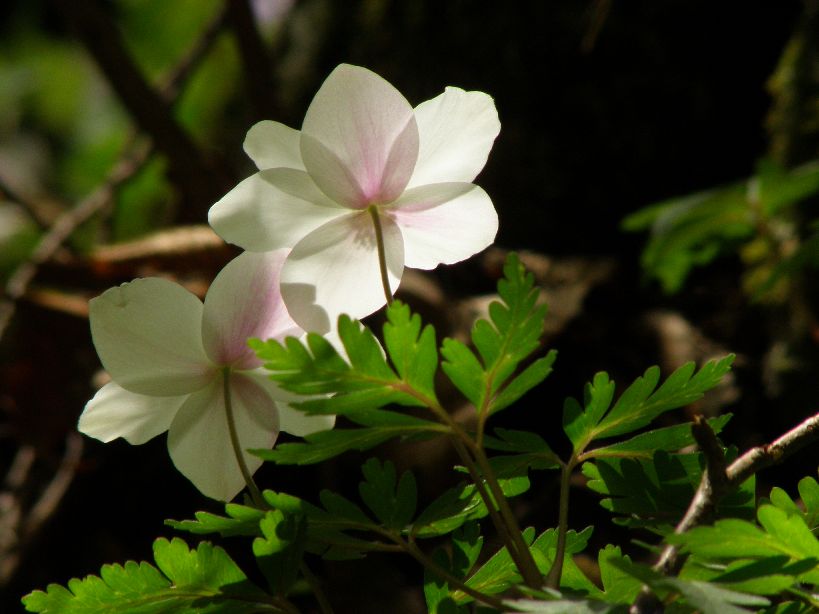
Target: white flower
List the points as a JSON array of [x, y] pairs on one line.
[[168, 356], [362, 150]]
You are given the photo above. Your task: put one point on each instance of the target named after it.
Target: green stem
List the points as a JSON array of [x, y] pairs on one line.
[[556, 571], [526, 563], [382, 254], [487, 499], [255, 493], [418, 554]]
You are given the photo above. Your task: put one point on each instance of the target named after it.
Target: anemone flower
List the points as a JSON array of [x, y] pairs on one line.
[[366, 176], [183, 367]]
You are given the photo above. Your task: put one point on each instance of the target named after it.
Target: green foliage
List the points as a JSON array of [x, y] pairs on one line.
[[808, 493], [654, 493], [704, 597], [639, 404], [278, 552], [240, 520], [510, 336], [392, 503], [781, 545], [362, 386], [204, 580], [693, 230]]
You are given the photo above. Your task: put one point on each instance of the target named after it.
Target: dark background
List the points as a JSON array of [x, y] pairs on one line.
[[605, 107]]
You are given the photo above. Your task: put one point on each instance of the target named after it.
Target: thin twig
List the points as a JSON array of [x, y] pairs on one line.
[[718, 481], [31, 210]]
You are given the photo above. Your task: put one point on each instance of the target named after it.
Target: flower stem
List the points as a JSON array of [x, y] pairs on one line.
[[255, 493], [556, 571], [382, 254]]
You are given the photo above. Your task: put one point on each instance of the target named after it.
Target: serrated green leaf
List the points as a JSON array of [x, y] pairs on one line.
[[618, 586], [780, 534], [279, 550], [655, 493], [765, 576], [467, 543], [449, 511], [572, 578], [511, 334], [809, 493], [497, 574], [670, 439], [393, 504], [205, 579], [639, 404], [381, 426], [342, 507], [712, 599], [463, 369], [436, 590], [565, 606], [315, 369], [705, 597], [413, 351], [240, 520]]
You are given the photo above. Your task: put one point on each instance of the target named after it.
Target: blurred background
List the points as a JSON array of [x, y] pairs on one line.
[[121, 122]]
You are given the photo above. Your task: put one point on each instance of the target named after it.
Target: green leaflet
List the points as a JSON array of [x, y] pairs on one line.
[[639, 404], [655, 492], [703, 596], [205, 578], [393, 502], [780, 534], [511, 335], [670, 439]]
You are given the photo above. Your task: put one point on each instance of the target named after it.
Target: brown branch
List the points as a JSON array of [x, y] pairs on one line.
[[62, 229], [201, 182], [718, 481], [134, 157]]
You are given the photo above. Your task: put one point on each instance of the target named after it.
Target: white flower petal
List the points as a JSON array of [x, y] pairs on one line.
[[359, 140], [244, 301], [457, 130], [335, 270], [199, 440], [291, 420], [444, 223], [272, 209], [272, 145], [148, 334], [115, 412]]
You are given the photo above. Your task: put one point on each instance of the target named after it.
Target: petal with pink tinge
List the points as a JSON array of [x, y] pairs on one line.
[[456, 131], [199, 440], [244, 301], [359, 140], [335, 270], [272, 209], [444, 223]]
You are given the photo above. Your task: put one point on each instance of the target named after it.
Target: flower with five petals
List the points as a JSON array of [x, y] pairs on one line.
[[366, 168], [183, 367]]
